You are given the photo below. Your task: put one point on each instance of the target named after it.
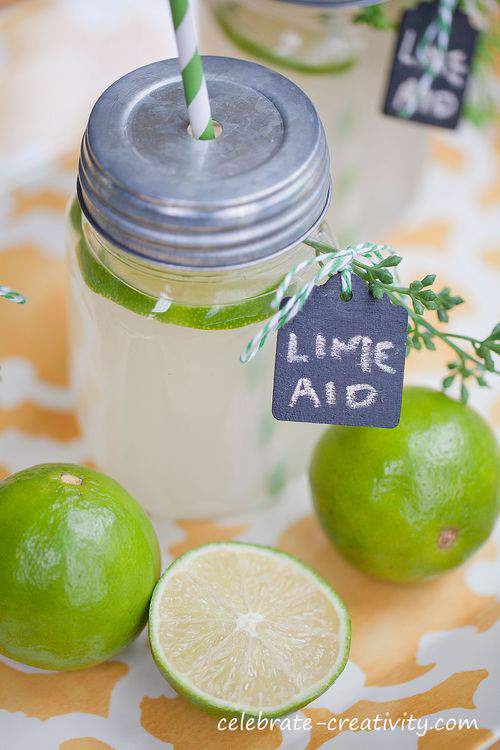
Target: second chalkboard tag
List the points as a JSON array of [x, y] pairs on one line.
[[441, 104], [341, 362]]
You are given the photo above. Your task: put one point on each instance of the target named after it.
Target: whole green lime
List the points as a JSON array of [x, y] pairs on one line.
[[408, 503], [79, 560]]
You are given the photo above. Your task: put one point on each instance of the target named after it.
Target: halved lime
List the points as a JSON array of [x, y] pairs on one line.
[[243, 629]]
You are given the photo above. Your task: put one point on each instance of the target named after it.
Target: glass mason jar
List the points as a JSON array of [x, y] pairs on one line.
[[343, 67], [176, 249]]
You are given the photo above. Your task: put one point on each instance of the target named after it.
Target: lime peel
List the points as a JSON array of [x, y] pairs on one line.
[[242, 618], [407, 504], [79, 559]]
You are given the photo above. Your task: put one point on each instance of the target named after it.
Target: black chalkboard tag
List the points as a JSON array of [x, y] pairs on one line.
[[442, 104], [341, 362]]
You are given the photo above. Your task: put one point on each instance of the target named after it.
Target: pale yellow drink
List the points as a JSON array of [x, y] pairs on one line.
[[176, 249], [201, 436]]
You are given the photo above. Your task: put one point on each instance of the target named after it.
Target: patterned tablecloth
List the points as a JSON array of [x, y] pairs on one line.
[[428, 650]]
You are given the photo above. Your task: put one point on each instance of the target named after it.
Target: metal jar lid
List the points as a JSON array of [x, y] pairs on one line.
[[255, 191]]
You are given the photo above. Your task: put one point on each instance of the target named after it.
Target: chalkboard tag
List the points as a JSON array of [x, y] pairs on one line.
[[442, 104], [341, 362]]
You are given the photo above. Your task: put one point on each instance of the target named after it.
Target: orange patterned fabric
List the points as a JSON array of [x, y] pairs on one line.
[[429, 650]]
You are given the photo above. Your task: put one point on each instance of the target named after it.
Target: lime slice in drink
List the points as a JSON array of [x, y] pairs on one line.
[[240, 629], [204, 317]]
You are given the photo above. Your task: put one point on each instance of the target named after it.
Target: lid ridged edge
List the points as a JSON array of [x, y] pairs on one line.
[[203, 234]]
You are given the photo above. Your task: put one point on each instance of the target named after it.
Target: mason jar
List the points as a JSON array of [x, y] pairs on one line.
[[309, 36], [343, 67], [176, 249]]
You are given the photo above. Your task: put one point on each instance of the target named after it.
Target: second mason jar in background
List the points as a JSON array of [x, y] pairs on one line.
[[343, 67], [177, 247]]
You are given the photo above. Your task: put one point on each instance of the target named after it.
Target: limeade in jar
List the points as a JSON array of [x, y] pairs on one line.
[[176, 249]]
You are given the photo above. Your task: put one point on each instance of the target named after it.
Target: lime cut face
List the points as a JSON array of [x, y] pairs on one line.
[[239, 628]]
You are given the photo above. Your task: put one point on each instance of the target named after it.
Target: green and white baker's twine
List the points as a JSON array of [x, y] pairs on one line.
[[432, 57], [8, 293], [330, 263], [193, 77]]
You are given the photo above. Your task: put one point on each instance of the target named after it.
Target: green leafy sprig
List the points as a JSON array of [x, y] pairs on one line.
[[378, 17], [472, 358], [471, 362], [481, 104], [375, 17]]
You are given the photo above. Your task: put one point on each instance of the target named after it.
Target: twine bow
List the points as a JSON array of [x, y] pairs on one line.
[[339, 261], [437, 32], [8, 293]]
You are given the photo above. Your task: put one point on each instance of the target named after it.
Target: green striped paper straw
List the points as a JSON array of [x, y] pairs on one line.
[[193, 77]]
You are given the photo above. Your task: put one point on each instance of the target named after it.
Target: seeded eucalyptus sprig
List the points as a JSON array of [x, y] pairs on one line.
[[376, 17], [418, 297]]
